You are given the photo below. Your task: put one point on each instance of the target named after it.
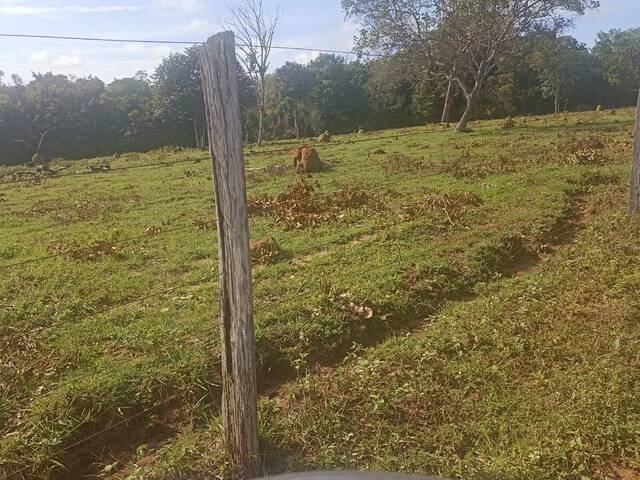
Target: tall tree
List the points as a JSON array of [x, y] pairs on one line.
[[339, 93], [619, 54], [462, 36], [390, 92], [177, 101], [296, 83], [255, 29], [131, 102], [561, 62]]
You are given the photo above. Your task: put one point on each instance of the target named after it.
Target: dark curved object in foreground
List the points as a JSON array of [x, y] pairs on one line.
[[332, 475]]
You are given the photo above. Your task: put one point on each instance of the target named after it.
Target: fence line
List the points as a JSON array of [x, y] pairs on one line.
[[371, 188], [246, 154]]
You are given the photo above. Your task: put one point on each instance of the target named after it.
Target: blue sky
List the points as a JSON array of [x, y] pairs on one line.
[[304, 23]]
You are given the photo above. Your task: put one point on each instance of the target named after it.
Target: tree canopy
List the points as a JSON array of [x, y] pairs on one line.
[[542, 71]]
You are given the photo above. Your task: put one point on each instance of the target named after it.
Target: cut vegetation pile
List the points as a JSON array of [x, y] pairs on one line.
[[449, 204], [303, 206]]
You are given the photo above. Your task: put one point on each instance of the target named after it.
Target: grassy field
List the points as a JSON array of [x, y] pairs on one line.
[[457, 305]]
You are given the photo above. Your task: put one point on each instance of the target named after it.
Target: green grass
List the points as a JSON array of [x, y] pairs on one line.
[[459, 370]]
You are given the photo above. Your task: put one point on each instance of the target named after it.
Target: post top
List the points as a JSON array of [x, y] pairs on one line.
[[221, 37]]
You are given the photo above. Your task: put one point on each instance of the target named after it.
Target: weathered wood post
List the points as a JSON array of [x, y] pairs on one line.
[[634, 194], [239, 391]]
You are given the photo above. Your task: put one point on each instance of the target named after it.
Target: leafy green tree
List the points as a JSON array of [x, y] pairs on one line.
[[618, 52], [296, 83], [391, 91], [562, 63], [178, 103], [130, 101], [339, 93]]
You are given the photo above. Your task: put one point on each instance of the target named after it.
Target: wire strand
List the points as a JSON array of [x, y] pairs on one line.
[[183, 42]]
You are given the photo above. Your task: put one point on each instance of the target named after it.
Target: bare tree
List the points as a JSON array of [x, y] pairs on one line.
[[446, 109], [462, 36], [255, 29]]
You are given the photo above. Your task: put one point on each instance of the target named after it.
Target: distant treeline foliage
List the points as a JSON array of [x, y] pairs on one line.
[[84, 117]]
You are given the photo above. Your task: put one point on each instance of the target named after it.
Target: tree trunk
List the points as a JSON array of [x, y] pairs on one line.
[[556, 103], [447, 103], [634, 195], [473, 96], [295, 124], [196, 132], [566, 104], [203, 138], [260, 109], [466, 116]]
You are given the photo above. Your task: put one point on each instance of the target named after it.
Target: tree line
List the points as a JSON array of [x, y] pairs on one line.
[[542, 71]]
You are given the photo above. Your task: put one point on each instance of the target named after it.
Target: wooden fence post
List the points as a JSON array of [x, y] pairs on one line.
[[634, 194], [239, 390]]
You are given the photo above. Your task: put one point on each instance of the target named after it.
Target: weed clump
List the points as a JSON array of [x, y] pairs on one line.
[[205, 222], [262, 174], [76, 252], [87, 208], [434, 283], [584, 151], [587, 157]]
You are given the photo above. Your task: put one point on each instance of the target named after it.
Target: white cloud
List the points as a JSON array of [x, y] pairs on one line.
[[152, 51], [306, 57], [10, 8], [170, 6], [49, 60]]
